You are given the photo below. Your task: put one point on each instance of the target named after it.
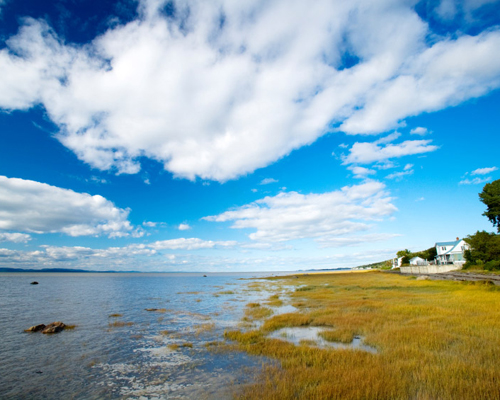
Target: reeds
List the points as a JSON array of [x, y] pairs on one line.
[[435, 340]]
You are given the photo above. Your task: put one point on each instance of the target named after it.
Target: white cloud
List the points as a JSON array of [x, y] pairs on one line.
[[419, 131], [361, 172], [183, 227], [190, 244], [14, 237], [220, 100], [483, 171], [475, 181], [267, 181], [448, 9], [29, 206], [366, 153], [292, 215], [399, 175], [149, 224], [389, 138]]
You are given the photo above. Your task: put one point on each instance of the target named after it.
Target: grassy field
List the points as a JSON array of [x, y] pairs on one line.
[[434, 339]]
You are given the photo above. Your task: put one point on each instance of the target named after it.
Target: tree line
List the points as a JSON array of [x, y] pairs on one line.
[[485, 246]]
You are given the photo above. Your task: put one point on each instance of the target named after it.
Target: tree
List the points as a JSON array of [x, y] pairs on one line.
[[490, 196], [484, 250]]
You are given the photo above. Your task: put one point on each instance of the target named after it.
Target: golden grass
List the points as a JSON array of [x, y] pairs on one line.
[[255, 311], [435, 340], [345, 335]]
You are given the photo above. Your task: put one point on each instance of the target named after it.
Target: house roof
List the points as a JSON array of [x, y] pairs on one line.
[[454, 243]]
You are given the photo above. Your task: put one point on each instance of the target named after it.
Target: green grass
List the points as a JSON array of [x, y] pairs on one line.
[[434, 340]]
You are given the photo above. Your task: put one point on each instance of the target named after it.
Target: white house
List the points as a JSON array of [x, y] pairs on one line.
[[451, 252], [397, 262], [418, 261]]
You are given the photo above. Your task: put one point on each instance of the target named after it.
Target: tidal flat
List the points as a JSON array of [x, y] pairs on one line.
[[431, 339]]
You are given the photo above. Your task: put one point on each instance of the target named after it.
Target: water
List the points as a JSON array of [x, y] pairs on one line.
[[310, 334], [136, 360]]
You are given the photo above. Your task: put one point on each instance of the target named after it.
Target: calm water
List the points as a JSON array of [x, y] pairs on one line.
[[98, 360]]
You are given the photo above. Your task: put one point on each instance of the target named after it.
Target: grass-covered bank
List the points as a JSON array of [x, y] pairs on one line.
[[435, 340]]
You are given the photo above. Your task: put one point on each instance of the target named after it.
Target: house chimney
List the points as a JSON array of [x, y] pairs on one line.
[[458, 239]]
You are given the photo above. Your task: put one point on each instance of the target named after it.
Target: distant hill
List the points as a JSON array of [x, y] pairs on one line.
[[380, 264]]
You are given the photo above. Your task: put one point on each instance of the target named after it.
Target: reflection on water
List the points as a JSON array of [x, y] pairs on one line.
[[118, 349], [311, 334]]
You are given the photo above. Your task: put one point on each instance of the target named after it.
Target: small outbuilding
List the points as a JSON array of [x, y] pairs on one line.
[[418, 261]]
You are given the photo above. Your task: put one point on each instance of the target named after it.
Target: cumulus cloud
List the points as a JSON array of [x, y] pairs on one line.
[[419, 131], [183, 227], [292, 215], [29, 206], [366, 152], [361, 172], [267, 181], [483, 171], [14, 237], [223, 88], [190, 244]]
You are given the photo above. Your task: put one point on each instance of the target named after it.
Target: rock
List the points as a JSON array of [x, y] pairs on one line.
[[204, 276], [54, 327], [34, 283], [151, 309], [423, 278], [35, 328]]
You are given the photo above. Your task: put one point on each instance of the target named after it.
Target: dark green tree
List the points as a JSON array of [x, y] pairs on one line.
[[490, 196], [484, 251]]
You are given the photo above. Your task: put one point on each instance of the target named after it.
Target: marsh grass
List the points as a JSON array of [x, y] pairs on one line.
[[434, 340], [255, 311], [115, 315], [339, 335]]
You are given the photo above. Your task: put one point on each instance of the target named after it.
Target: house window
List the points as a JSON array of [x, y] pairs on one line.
[[443, 248]]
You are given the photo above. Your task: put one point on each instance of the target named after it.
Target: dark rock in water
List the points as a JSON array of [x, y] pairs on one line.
[[36, 328], [34, 283], [151, 309], [38, 372], [204, 276], [54, 327]]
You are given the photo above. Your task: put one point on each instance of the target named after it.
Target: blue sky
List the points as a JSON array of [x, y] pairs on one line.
[[243, 136]]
